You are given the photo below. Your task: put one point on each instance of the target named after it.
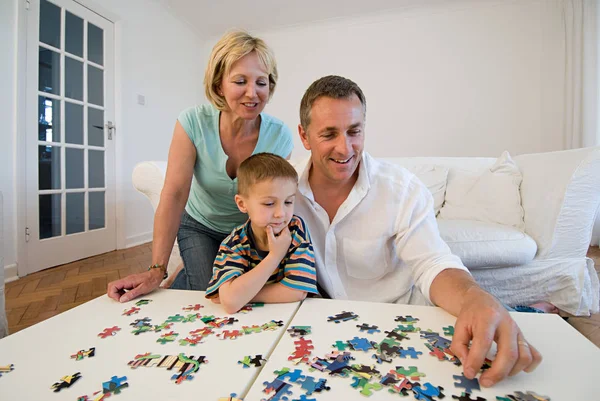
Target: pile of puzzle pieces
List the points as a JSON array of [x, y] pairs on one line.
[[517, 396], [439, 347], [186, 366], [196, 336], [365, 378], [233, 334]]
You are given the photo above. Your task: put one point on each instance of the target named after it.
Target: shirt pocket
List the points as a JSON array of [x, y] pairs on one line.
[[366, 259]]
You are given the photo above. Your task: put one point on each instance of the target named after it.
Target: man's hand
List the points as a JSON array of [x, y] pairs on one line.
[[482, 320], [134, 285], [279, 245]]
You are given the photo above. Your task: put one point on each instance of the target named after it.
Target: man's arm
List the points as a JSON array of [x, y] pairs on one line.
[[442, 278], [482, 320]]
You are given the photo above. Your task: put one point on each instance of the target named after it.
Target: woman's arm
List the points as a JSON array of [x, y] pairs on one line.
[[180, 168], [174, 195]]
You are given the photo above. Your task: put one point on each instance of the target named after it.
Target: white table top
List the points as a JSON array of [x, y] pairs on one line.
[[569, 370], [41, 353]]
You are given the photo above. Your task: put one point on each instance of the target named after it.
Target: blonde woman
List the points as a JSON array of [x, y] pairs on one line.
[[209, 142]]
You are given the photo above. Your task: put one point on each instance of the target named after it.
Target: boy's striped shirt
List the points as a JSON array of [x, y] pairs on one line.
[[238, 255]]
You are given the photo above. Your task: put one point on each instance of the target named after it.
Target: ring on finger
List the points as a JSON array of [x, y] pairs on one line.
[[523, 343]]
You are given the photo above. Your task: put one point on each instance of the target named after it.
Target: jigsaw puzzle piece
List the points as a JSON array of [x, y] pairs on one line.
[[467, 397], [411, 372], [340, 345], [291, 376], [310, 385], [304, 398], [111, 331], [427, 391], [448, 330], [342, 317], [280, 389], [468, 384], [410, 351], [65, 382], [361, 344], [115, 385], [7, 369], [366, 387]]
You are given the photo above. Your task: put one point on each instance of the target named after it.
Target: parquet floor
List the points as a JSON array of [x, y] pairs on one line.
[[42, 295]]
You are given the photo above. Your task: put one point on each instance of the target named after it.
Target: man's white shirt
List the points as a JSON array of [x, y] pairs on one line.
[[384, 239]]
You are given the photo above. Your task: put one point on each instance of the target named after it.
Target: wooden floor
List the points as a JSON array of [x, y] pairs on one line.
[[42, 295]]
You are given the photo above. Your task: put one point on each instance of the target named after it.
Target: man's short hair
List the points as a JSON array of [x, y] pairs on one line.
[[261, 167], [332, 86], [230, 48]]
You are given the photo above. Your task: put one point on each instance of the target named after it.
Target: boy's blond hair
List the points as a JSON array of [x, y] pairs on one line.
[[261, 167]]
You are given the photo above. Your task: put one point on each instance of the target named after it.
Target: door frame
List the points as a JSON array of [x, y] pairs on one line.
[[22, 126]]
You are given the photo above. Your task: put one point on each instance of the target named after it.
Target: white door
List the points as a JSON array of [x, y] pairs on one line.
[[70, 146]]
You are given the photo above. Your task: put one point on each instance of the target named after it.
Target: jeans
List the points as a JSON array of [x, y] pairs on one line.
[[198, 247]]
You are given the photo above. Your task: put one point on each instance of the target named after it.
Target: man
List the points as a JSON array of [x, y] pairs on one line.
[[376, 238]]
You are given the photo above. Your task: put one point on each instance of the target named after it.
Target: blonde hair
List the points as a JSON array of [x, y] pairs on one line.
[[230, 48], [261, 167]]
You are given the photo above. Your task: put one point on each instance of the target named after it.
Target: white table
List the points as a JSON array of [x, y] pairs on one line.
[[41, 353], [569, 371]]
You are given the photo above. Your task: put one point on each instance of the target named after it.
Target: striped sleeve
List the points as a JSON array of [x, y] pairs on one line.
[[228, 265], [299, 271]]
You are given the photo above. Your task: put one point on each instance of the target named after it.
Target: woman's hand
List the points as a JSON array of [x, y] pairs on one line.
[[134, 285]]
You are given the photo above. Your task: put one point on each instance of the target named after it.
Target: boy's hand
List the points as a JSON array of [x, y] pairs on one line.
[[278, 246]]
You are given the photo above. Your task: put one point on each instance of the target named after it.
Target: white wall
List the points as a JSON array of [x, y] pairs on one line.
[[8, 110], [442, 81], [161, 58]]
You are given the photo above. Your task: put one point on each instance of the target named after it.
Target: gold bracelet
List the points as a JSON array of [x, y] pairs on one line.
[[162, 267]]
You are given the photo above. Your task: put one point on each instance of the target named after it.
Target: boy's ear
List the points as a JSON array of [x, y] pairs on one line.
[[241, 204]]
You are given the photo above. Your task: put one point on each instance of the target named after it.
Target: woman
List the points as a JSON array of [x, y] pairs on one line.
[[209, 143]]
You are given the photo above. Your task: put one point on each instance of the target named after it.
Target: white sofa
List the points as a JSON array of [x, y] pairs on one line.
[[543, 260], [3, 322]]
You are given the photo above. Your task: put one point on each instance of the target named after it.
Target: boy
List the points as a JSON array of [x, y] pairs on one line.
[[269, 258]]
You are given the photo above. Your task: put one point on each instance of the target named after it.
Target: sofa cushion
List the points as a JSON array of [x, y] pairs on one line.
[[434, 177], [491, 197], [483, 245]]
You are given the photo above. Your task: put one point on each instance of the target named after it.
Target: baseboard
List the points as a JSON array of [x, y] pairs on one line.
[[138, 239], [595, 241], [10, 273]]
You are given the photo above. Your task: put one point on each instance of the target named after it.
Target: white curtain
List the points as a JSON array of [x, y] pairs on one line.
[[569, 102]]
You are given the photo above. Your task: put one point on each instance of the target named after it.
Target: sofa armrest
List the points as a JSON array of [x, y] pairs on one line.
[[560, 196], [148, 178]]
